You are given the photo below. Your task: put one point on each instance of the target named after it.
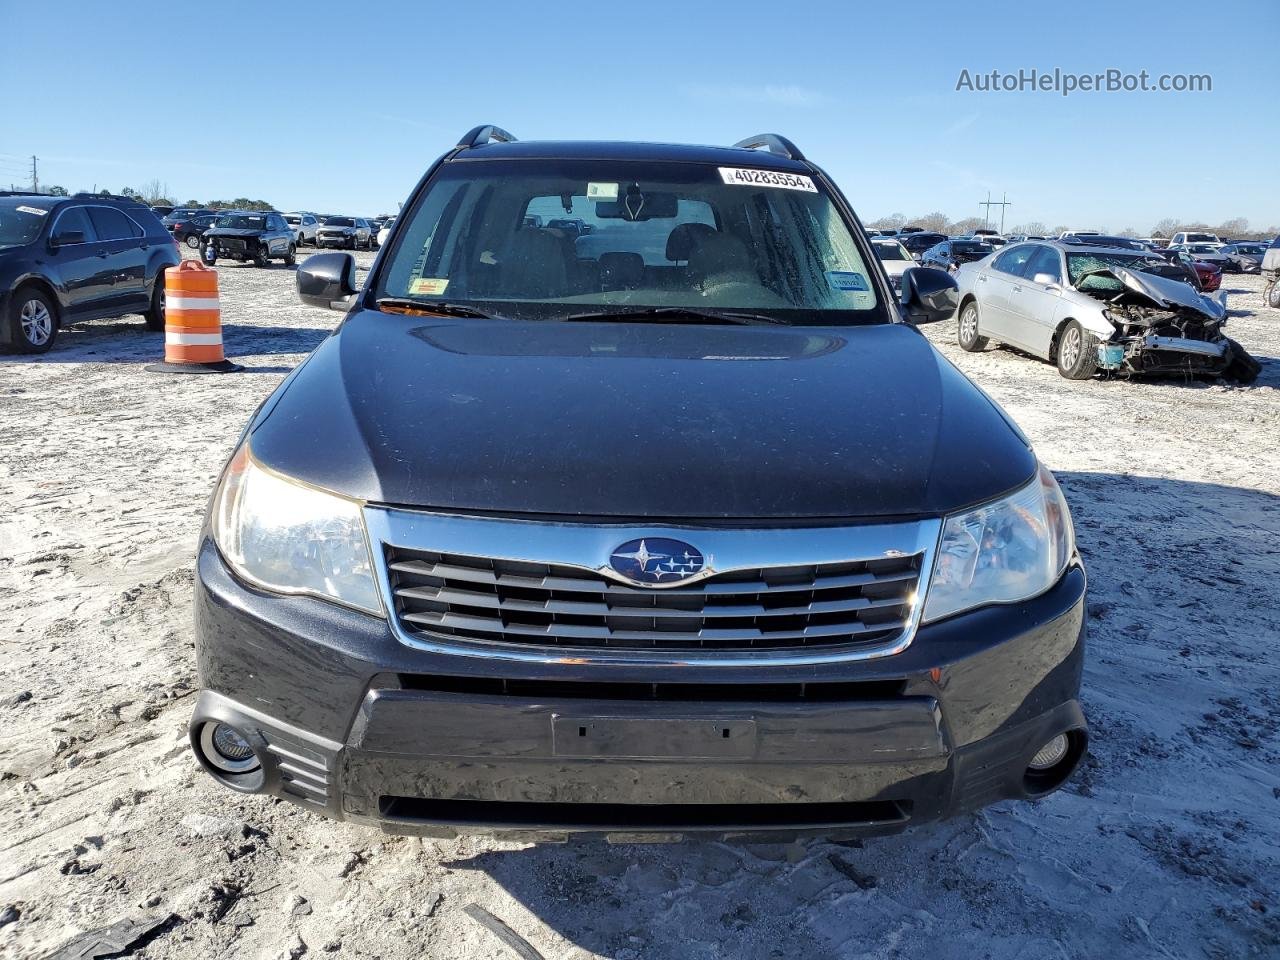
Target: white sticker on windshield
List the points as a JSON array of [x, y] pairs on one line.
[[602, 191], [746, 177], [431, 286], [36, 211]]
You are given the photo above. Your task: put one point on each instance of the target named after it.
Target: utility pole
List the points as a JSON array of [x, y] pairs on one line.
[[35, 176], [1002, 203]]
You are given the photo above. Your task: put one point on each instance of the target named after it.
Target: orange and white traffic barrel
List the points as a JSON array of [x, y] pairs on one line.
[[192, 322]]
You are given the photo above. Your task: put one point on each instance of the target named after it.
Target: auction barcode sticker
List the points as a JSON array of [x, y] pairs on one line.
[[746, 177]]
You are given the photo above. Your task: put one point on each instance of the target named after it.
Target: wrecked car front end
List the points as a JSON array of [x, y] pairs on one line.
[[1160, 326]]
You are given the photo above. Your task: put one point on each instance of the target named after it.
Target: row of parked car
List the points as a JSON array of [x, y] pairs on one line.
[[1201, 258], [190, 226]]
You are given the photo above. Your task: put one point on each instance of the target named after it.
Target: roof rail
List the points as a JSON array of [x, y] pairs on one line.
[[778, 145], [483, 134], [105, 195]]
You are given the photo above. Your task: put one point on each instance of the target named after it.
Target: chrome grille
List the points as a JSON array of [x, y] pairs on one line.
[[487, 599]]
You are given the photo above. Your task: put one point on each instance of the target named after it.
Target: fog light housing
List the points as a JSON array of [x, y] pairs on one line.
[[1051, 754], [227, 749]]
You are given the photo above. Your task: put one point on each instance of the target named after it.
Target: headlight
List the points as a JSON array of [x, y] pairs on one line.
[[1009, 550], [290, 538]]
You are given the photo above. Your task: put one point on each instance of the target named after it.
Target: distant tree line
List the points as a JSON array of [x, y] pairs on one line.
[[154, 192], [1237, 228]]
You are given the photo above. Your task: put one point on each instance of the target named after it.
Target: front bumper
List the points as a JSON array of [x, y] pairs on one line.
[[349, 722]]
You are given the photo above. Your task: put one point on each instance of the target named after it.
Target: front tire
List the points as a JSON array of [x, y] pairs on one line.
[[33, 321], [1271, 294], [262, 256], [1077, 353], [208, 255], [193, 241], [154, 318], [1243, 368], [292, 257], [967, 334]]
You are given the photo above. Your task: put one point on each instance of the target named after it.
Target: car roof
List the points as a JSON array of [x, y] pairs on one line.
[[1068, 247], [621, 150]]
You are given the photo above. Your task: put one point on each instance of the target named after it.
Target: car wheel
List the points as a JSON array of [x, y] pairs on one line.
[[351, 243], [1077, 353], [193, 241], [292, 256], [154, 317], [262, 256], [967, 334], [1272, 294], [32, 320], [208, 255], [1243, 368]]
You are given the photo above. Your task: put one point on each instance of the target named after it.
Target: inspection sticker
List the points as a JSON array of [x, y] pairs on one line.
[[847, 280], [746, 177], [602, 191], [35, 211], [430, 286]]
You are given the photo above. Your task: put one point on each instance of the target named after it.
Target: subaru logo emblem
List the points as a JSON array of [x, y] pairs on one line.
[[657, 561]]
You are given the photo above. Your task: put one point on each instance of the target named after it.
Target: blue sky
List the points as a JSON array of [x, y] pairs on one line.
[[340, 107]]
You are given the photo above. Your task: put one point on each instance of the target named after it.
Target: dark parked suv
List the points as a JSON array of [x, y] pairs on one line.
[[687, 529], [257, 235], [64, 259]]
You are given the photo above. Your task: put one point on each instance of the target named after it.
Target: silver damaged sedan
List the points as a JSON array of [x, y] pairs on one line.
[[1090, 308]]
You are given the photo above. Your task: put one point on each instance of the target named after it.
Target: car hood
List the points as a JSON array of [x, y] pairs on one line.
[[640, 420], [1166, 293], [233, 232]]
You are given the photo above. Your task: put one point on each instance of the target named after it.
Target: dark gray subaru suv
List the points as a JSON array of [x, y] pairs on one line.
[[669, 523]]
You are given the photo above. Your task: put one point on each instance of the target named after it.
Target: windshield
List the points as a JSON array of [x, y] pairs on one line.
[[548, 240], [1082, 264], [241, 221], [1198, 237], [890, 251], [970, 246], [20, 220], [339, 222], [292, 218], [1202, 248], [1253, 249]]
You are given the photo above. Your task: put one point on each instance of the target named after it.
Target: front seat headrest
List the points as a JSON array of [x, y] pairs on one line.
[[535, 265], [684, 237], [621, 271], [722, 258]]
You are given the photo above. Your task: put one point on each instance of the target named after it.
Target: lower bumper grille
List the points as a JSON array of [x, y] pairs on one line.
[[486, 599], [641, 817]]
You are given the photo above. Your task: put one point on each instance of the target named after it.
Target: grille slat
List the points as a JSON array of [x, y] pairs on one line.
[[471, 599], [419, 568], [492, 600]]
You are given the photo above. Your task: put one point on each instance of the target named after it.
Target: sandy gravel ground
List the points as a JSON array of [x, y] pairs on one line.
[[1166, 844]]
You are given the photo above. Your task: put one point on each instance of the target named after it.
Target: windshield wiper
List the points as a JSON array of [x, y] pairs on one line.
[[443, 309], [676, 315]]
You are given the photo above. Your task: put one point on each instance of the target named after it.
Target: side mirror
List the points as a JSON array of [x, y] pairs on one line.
[[327, 280], [1045, 280], [66, 238], [928, 295]]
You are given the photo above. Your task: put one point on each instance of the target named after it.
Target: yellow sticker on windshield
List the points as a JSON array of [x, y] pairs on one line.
[[432, 287]]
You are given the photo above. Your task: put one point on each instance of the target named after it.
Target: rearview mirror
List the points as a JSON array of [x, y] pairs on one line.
[[327, 280], [928, 295], [639, 205], [66, 237]]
